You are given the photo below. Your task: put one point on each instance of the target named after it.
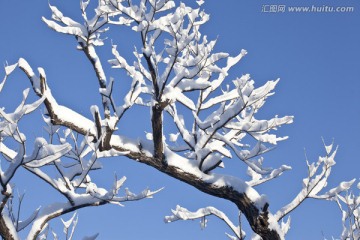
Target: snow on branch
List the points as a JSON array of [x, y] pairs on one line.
[[72, 221], [187, 63], [86, 154], [60, 115], [257, 179], [43, 152], [87, 33], [316, 181], [69, 230], [137, 85], [224, 129], [349, 205], [94, 196], [8, 71], [181, 213], [88, 36]]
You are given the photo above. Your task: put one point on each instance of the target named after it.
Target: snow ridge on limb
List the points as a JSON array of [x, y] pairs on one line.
[[60, 115], [181, 213]]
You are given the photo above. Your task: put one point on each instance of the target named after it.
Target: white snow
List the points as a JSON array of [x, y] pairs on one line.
[[72, 30], [7, 151], [173, 137], [35, 81], [97, 63], [181, 213], [124, 142], [10, 225], [200, 2], [45, 153], [9, 69]]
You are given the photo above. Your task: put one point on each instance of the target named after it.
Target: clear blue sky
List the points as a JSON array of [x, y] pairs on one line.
[[316, 55]]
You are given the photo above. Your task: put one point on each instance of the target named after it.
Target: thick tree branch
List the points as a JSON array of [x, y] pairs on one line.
[[59, 115], [258, 217]]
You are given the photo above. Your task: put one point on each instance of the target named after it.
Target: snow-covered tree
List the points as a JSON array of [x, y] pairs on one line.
[[176, 73]]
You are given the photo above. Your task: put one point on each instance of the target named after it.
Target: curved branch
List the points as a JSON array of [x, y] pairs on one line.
[[56, 210], [230, 188], [59, 114]]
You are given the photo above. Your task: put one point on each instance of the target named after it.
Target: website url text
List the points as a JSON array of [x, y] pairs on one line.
[[306, 9]]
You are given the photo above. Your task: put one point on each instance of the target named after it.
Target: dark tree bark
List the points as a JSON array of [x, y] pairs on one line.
[[156, 121], [258, 220], [4, 230]]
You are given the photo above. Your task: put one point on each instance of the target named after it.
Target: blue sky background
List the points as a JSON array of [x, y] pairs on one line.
[[316, 55]]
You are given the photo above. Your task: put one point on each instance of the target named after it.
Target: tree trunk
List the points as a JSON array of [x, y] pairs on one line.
[[157, 131]]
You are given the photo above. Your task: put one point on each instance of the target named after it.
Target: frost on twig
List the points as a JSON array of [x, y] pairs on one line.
[[181, 213]]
